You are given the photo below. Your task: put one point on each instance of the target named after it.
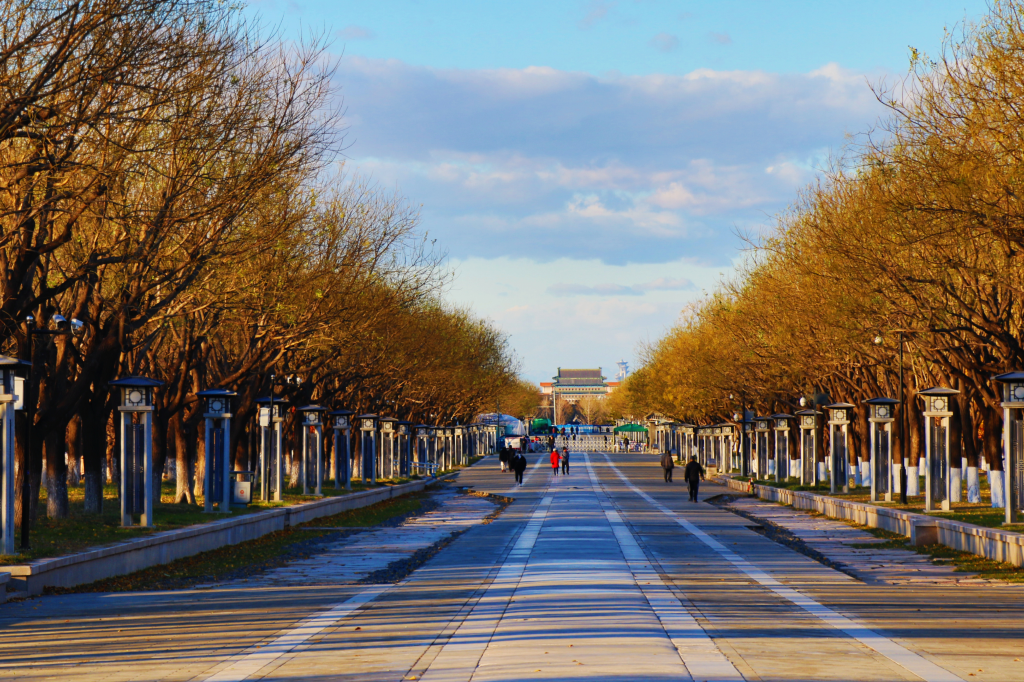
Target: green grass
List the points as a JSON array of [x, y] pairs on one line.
[[250, 557], [964, 562], [80, 531]]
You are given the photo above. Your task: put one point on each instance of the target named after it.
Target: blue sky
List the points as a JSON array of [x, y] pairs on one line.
[[591, 166]]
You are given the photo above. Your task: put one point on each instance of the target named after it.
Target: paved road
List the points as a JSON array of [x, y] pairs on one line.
[[608, 573]]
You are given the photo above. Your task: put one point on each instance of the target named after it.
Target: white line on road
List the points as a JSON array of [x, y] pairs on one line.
[[702, 658], [252, 661], [918, 665], [459, 657]]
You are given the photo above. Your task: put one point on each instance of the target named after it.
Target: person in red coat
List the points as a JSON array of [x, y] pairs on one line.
[[554, 462]]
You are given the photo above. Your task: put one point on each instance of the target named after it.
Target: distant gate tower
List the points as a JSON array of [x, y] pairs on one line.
[[623, 370]]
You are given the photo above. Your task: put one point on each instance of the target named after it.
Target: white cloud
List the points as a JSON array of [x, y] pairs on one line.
[[353, 32], [539, 162]]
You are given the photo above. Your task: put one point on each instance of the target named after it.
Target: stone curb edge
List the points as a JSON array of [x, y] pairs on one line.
[[991, 543]]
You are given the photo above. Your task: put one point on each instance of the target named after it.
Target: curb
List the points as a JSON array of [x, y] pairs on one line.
[[164, 547], [991, 543]]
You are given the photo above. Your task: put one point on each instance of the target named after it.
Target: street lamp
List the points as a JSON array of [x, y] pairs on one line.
[[217, 481], [312, 448], [1013, 448], [341, 422], [880, 436], [368, 431], [780, 423], [12, 385], [136, 448], [839, 444], [939, 474], [809, 470]]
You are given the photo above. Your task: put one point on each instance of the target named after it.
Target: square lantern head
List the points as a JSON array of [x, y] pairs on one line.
[[761, 424], [367, 422], [403, 429], [341, 421], [1013, 388], [311, 418], [217, 401], [781, 424], [136, 392], [422, 431], [938, 400], [12, 373], [881, 409], [748, 427], [387, 425]]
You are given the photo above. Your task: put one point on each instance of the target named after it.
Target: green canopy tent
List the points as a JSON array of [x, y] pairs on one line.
[[630, 428]]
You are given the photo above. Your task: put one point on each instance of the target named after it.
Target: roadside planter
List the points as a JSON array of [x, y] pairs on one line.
[[136, 424], [880, 420], [939, 474]]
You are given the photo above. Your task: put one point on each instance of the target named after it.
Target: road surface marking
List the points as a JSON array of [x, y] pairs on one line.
[[916, 664]]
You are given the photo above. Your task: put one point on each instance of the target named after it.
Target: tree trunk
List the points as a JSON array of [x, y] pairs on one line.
[[56, 474], [73, 437], [183, 471], [94, 450]]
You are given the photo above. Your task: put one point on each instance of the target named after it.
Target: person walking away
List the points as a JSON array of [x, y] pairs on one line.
[[503, 458], [694, 474], [519, 466], [667, 464], [555, 457], [565, 461]]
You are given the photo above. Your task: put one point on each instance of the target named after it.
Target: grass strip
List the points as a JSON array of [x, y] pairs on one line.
[[82, 531], [249, 558]]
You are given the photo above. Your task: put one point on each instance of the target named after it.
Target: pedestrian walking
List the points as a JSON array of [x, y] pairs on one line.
[[565, 461], [667, 464], [555, 457], [503, 457], [694, 474], [519, 466]]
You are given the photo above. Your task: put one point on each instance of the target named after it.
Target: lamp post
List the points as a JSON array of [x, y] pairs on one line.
[[839, 444], [904, 423], [880, 437], [938, 475], [312, 449], [342, 456], [217, 481], [12, 384], [780, 423], [271, 419], [1012, 390], [809, 474], [368, 431], [136, 448]]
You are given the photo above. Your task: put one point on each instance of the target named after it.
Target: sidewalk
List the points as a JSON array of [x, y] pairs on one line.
[[836, 540]]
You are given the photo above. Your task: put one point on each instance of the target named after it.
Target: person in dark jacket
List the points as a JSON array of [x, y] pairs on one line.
[[519, 466], [667, 464], [503, 457], [694, 474], [565, 461]]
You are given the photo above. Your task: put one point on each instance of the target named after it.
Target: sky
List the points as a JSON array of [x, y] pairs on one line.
[[592, 168]]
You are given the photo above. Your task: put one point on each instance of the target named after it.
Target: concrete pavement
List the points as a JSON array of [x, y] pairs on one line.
[[608, 573]]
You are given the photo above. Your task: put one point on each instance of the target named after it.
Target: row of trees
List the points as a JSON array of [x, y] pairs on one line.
[[915, 238], [167, 176]]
